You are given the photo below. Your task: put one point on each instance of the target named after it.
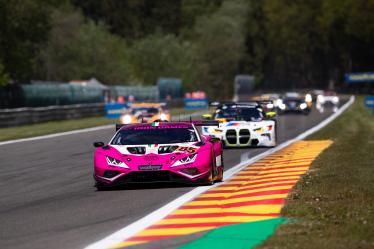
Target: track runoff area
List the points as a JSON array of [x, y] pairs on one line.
[[241, 212], [48, 199]]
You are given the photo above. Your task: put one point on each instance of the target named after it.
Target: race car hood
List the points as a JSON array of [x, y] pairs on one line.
[[251, 125], [153, 154]]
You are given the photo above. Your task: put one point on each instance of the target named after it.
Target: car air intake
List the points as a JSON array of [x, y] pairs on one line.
[[167, 149], [244, 136], [254, 142], [136, 150], [231, 136], [110, 173]]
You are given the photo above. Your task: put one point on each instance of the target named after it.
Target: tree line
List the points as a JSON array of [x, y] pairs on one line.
[[284, 43]]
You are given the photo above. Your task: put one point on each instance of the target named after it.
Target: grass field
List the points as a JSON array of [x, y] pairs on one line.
[[333, 206], [65, 125]]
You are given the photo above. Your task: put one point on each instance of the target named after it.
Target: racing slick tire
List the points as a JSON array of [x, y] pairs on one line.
[[220, 171], [210, 178]]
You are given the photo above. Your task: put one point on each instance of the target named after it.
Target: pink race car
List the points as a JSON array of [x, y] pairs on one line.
[[159, 152]]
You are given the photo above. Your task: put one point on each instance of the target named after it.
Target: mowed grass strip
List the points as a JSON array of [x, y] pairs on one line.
[[333, 205], [46, 128]]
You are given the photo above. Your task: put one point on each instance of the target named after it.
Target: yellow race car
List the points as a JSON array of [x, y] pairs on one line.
[[145, 113]]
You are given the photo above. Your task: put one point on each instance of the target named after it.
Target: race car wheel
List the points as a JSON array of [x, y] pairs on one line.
[[210, 180], [210, 177], [275, 135], [220, 175], [220, 171]]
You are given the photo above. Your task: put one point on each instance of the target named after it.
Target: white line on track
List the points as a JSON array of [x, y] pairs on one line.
[[97, 128], [162, 212]]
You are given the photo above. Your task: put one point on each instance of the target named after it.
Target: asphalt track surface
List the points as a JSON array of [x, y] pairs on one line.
[[48, 200]]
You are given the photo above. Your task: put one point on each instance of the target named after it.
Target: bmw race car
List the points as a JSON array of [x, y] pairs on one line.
[[159, 152], [243, 125]]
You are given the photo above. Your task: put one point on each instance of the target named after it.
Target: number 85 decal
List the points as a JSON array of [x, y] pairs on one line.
[[191, 150]]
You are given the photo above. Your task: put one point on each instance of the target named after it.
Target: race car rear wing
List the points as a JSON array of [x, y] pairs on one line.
[[205, 123], [194, 122]]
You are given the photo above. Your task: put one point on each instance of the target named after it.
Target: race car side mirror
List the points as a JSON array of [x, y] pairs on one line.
[[207, 116], [98, 144]]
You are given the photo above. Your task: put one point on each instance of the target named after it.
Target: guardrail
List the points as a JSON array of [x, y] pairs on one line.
[[32, 115]]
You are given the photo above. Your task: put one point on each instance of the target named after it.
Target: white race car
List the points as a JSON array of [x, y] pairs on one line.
[[243, 126]]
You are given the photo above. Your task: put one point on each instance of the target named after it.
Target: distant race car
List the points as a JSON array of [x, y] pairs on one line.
[[159, 152], [242, 125], [293, 102], [327, 99], [145, 113]]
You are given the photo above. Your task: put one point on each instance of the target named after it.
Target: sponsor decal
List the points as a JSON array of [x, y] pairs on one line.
[[150, 157], [152, 145], [233, 124], [191, 150], [149, 167]]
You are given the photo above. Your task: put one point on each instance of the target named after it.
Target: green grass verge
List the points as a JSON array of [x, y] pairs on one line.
[[333, 206], [26, 131]]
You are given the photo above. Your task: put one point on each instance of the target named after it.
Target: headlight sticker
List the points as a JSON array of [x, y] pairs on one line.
[[114, 162], [185, 160]]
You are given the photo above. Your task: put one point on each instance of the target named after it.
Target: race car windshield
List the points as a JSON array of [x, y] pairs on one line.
[[154, 136], [249, 114], [296, 100], [226, 113], [145, 110]]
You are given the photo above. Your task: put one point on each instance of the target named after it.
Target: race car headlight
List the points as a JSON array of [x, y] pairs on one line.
[[278, 102], [163, 116], [185, 160], [212, 130], [264, 129], [335, 99], [321, 99], [303, 106], [126, 119], [114, 162], [308, 97], [282, 106], [270, 106]]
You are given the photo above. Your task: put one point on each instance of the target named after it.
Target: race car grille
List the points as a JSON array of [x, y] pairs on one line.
[[231, 136], [244, 136], [136, 150], [167, 149], [110, 173], [150, 176]]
